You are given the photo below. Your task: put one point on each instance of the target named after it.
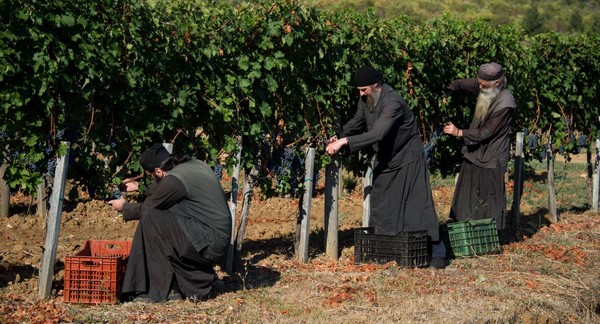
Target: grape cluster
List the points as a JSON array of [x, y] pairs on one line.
[[51, 167], [542, 155], [532, 141], [582, 141], [285, 166], [218, 170], [32, 167], [534, 147]]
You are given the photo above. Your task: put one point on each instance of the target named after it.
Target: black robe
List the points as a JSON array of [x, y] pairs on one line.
[[401, 197], [480, 190]]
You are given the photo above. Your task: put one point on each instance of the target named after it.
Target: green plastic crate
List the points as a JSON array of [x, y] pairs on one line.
[[407, 249], [471, 238]]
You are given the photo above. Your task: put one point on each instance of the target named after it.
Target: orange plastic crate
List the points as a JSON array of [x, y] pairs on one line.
[[95, 274]]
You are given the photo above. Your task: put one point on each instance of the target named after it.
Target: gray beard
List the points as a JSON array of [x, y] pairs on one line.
[[372, 100], [484, 100]]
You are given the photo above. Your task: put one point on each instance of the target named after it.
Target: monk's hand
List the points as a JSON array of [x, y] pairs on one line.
[[335, 146], [450, 129], [117, 204]]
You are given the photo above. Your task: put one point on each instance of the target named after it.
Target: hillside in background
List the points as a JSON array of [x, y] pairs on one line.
[[535, 16]]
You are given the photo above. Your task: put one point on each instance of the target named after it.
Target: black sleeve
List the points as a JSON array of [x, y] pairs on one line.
[[167, 193], [392, 111], [470, 86], [354, 125]]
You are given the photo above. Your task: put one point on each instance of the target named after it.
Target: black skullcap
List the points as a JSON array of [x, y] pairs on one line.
[[490, 72], [153, 157], [366, 76]]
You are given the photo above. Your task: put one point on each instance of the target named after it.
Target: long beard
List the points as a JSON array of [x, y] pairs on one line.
[[371, 100], [484, 100]]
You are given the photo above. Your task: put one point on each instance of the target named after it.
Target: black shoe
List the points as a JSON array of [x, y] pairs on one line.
[[437, 263], [174, 295], [174, 291], [142, 298]]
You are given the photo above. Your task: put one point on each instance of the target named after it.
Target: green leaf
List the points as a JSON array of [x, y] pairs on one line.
[[243, 63], [244, 83], [31, 140], [68, 20], [255, 129]]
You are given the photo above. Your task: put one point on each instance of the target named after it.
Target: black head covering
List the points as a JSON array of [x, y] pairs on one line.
[[154, 156], [490, 72], [366, 76]]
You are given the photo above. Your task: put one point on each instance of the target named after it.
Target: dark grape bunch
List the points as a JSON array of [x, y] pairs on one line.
[[218, 170], [581, 143], [534, 147], [284, 165], [532, 141]]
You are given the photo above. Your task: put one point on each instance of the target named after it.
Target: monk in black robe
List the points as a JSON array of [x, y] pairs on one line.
[[184, 229], [401, 198], [480, 191]]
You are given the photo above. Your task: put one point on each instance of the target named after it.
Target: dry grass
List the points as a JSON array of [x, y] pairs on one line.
[[534, 281]]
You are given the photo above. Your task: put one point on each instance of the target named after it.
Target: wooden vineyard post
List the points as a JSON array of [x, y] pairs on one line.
[[551, 186], [332, 184], [53, 224], [42, 206], [233, 204], [518, 182], [367, 187], [4, 192], [247, 193], [304, 214], [596, 178]]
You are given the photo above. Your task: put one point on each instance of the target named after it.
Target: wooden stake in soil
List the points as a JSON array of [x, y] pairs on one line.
[[42, 206], [518, 184], [304, 215], [589, 174], [4, 192], [596, 190], [367, 186], [233, 205], [551, 187], [247, 194], [53, 226], [332, 184]]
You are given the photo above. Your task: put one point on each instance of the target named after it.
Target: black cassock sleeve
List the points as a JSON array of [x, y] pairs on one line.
[[164, 194]]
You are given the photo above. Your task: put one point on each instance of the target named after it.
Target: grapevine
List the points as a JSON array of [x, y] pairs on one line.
[[110, 80]]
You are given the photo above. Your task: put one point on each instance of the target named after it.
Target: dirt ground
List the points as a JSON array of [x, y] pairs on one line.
[[23, 233], [540, 279]]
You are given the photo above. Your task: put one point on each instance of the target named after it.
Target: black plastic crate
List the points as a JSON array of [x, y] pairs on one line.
[[407, 249]]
